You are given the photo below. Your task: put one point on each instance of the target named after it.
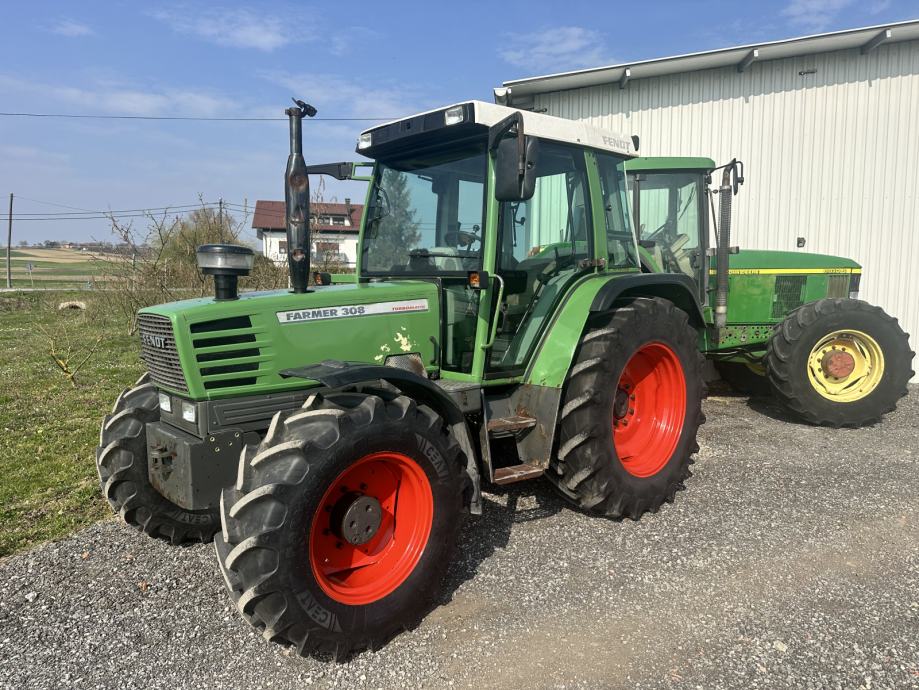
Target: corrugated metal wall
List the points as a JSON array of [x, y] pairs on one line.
[[831, 147]]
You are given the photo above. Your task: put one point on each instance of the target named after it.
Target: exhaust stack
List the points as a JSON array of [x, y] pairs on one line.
[[730, 183], [297, 200]]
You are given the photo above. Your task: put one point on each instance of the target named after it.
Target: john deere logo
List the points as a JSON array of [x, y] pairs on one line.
[[157, 341]]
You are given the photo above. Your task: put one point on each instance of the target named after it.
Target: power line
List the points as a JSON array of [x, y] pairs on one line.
[[177, 207], [190, 118], [53, 203]]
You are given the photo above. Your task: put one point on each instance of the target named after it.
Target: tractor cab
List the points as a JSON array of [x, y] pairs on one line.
[[670, 208], [505, 211]]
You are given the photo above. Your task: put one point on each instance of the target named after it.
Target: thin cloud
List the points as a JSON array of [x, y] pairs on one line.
[[815, 15], [557, 50], [116, 98], [237, 28], [70, 28]]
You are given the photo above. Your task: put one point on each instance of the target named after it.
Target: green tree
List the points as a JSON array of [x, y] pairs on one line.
[[397, 230]]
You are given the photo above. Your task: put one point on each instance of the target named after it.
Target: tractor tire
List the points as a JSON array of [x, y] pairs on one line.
[[839, 363], [742, 379], [121, 461], [631, 408], [292, 531]]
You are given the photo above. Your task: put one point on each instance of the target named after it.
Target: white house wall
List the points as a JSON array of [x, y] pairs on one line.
[[831, 155]]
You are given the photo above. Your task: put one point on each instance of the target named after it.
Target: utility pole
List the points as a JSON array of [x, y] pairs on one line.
[[9, 246], [220, 218]]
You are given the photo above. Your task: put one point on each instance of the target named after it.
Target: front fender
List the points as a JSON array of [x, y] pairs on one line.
[[338, 374]]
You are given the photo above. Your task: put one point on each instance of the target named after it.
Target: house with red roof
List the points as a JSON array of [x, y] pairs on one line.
[[334, 231]]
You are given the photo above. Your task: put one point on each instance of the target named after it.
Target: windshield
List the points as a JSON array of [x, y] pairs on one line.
[[426, 215]]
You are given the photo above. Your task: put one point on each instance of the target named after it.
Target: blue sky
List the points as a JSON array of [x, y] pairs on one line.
[[349, 59]]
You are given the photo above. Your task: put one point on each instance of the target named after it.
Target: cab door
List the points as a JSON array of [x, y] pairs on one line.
[[542, 245], [671, 222]]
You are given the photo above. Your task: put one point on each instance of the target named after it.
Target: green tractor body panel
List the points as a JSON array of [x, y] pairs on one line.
[[238, 347], [556, 349]]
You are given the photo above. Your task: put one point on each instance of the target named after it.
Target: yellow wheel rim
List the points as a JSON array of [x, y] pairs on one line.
[[845, 366]]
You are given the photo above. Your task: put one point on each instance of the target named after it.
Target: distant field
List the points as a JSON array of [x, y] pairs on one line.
[[59, 268]]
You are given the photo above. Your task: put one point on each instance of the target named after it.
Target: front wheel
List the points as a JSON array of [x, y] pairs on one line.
[[839, 362], [342, 522], [631, 408], [121, 461]]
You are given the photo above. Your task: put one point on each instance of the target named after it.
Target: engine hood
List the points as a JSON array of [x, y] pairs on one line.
[[222, 349], [764, 259]]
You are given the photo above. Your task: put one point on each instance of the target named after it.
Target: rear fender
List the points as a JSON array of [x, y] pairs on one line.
[[596, 295]]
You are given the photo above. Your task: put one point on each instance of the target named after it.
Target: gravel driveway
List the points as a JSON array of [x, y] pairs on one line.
[[792, 560]]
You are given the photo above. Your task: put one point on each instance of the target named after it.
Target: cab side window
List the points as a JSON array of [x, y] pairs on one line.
[[620, 240]]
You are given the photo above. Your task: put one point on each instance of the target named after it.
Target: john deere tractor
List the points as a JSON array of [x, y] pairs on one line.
[[786, 322]]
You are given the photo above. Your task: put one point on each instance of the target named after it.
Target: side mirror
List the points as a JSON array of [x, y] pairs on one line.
[[510, 184], [516, 156]]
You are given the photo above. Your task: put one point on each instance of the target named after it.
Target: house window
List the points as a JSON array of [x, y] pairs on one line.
[[282, 246], [338, 220], [326, 247]]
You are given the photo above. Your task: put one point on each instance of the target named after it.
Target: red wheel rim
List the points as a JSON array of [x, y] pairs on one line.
[[649, 409], [359, 574]]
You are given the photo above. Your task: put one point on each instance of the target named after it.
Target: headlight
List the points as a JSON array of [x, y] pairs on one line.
[[188, 411], [453, 116], [364, 141], [165, 402]]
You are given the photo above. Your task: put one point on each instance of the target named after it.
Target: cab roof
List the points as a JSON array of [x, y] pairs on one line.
[[484, 115], [655, 163]]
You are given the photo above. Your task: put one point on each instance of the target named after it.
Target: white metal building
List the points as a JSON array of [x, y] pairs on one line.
[[827, 125]]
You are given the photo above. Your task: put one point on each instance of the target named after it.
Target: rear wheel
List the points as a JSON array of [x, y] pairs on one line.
[[121, 461], [342, 523], [839, 362], [631, 410]]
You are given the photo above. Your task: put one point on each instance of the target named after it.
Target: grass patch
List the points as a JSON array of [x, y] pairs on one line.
[[49, 428]]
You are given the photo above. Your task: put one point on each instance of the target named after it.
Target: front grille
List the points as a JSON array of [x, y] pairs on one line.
[[158, 351], [224, 347], [789, 294]]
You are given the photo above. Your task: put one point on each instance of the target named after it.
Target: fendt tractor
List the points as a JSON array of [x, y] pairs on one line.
[[788, 323], [499, 328]]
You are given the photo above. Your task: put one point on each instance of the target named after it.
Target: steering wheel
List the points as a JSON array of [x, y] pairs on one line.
[[463, 238]]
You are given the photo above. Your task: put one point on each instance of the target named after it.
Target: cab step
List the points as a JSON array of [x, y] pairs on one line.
[[517, 473], [508, 426]]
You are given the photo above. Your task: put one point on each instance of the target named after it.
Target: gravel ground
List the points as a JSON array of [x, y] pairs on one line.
[[792, 560]]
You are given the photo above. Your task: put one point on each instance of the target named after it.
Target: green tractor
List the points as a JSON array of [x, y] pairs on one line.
[[788, 323], [499, 328]]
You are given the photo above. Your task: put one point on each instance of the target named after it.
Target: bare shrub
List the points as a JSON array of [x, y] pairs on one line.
[[159, 264]]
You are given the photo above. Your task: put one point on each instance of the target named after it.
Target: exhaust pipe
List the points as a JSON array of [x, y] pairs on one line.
[[297, 200], [730, 183]]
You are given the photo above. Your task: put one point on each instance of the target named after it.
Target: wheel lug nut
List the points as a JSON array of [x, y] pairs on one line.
[[631, 410]]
